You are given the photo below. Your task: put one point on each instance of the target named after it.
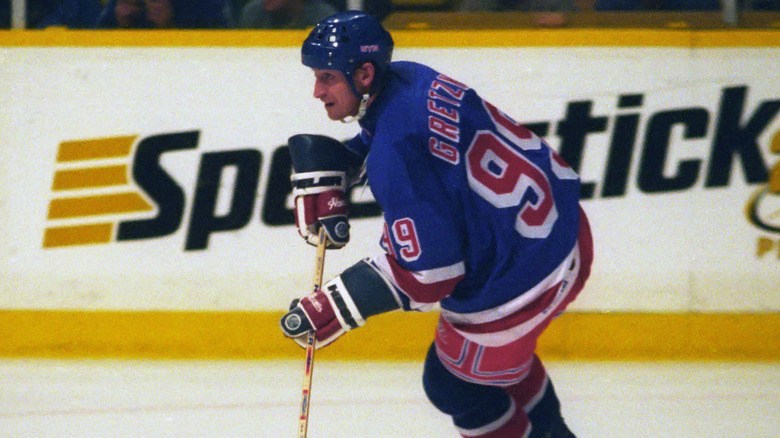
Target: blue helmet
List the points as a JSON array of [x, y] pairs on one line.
[[345, 41]]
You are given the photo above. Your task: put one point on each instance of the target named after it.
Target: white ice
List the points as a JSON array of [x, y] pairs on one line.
[[102, 398]]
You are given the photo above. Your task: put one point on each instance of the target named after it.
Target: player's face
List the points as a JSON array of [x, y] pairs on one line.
[[331, 87]]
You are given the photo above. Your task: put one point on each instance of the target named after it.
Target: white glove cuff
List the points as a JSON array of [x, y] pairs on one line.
[[311, 183], [346, 311]]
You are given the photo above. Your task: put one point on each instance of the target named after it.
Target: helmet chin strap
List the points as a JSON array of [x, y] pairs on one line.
[[361, 110]]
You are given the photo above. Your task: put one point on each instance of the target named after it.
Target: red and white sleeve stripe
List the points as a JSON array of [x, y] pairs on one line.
[[424, 288]]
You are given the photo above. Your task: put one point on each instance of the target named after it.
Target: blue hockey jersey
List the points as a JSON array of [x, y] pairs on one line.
[[481, 215]]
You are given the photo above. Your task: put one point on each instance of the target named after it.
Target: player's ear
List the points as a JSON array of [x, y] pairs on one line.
[[364, 76]]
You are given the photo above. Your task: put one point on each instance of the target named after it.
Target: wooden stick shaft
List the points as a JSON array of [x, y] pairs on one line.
[[311, 340]]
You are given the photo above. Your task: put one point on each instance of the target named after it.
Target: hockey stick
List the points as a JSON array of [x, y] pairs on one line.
[[311, 340]]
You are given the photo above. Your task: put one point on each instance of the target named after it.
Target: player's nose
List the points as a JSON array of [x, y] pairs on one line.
[[319, 91]]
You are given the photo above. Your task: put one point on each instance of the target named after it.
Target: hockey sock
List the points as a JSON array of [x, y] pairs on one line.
[[514, 423], [547, 411], [477, 410], [537, 397]]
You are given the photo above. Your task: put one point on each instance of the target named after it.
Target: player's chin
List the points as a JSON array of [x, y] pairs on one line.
[[333, 114]]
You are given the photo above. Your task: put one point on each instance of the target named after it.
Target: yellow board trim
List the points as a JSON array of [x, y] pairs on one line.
[[687, 38], [396, 336]]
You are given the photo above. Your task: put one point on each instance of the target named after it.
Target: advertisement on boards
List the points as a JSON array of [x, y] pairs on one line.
[[131, 184]]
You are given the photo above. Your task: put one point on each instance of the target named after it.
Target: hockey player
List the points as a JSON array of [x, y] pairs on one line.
[[480, 216]]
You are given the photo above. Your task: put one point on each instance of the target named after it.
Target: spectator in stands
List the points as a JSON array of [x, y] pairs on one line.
[[546, 12], [764, 5], [74, 14], [378, 8], [656, 5], [284, 14], [161, 14], [5, 14], [233, 11]]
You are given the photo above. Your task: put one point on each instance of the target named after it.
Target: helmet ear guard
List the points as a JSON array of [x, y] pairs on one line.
[[344, 42]]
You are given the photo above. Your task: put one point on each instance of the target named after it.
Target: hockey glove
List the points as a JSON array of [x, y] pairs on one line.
[[329, 313], [319, 183], [342, 305], [318, 206]]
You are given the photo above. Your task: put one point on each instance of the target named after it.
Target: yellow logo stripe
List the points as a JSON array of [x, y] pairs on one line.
[[774, 177], [77, 235], [90, 178], [102, 148], [66, 208]]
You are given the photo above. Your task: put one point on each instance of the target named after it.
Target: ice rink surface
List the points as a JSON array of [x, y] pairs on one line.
[[107, 398]]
